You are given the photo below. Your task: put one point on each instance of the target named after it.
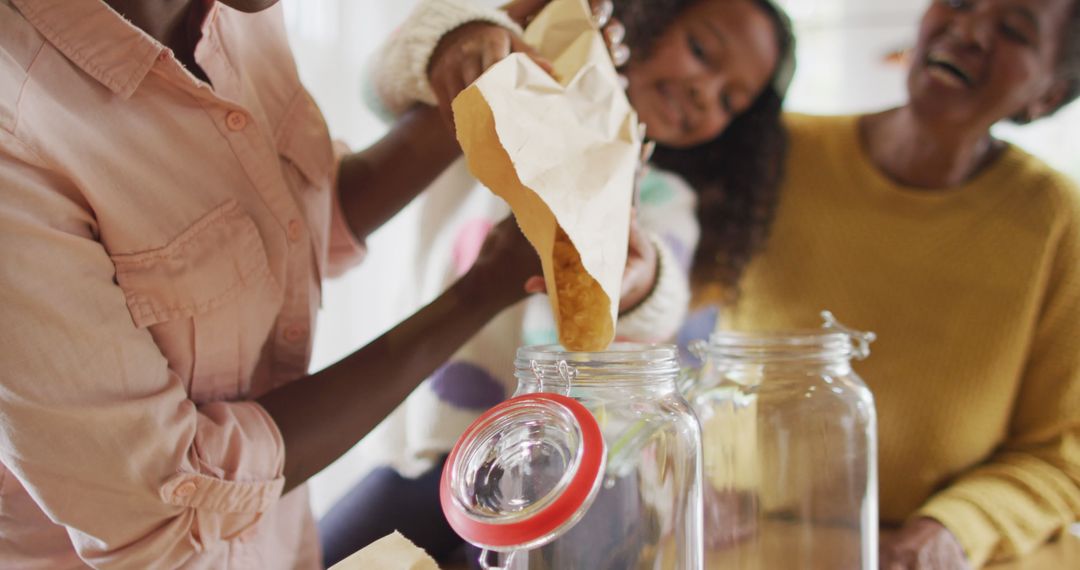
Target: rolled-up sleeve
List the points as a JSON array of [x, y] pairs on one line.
[[345, 249], [93, 422]]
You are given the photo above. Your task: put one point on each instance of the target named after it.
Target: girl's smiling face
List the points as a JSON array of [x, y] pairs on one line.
[[704, 70]]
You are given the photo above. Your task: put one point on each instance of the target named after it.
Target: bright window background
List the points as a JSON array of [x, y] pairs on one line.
[[842, 69]]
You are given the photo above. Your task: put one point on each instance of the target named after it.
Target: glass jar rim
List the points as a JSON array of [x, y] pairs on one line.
[[795, 337], [618, 352], [633, 362], [783, 345]]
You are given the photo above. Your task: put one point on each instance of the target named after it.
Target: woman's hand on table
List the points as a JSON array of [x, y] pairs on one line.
[[922, 544], [463, 55]]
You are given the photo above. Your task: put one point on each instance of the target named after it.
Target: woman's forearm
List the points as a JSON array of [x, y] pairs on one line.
[[376, 183], [323, 416]]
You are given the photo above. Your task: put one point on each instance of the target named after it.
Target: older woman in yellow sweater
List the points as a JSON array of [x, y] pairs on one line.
[[961, 252]]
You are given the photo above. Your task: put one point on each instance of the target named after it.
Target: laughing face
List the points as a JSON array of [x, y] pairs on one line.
[[707, 67], [980, 61]]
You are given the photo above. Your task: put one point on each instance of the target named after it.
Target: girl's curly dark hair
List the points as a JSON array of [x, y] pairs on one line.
[[736, 176]]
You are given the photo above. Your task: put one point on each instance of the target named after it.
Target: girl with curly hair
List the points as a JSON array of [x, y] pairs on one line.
[[707, 78]]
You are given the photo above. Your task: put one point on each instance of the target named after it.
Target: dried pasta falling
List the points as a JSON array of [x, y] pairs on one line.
[[583, 306]]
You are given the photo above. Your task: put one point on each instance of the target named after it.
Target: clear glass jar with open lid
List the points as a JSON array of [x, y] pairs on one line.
[[790, 439], [594, 464]]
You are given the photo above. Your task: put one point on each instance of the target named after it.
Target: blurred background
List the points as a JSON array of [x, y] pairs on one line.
[[851, 59]]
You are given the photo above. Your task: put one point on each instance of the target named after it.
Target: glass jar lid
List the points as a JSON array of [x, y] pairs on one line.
[[523, 473]]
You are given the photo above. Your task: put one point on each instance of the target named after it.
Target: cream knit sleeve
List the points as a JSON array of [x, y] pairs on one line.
[[398, 73], [666, 210]]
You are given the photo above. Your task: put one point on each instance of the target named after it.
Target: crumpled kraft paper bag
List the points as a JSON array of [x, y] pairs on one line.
[[392, 552], [563, 153]]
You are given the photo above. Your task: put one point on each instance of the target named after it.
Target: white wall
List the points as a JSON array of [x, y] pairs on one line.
[[842, 44]]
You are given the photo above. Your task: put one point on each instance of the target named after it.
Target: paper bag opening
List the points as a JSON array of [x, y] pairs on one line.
[[564, 155]]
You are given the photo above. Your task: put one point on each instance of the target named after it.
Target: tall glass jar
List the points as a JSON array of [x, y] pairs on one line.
[[789, 432], [594, 464]]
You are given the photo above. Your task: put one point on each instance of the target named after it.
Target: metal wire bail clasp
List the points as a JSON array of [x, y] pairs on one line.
[[566, 372], [859, 339], [486, 554], [699, 348]]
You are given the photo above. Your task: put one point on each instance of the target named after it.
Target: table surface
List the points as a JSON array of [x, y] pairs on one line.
[[782, 543], [1063, 554]]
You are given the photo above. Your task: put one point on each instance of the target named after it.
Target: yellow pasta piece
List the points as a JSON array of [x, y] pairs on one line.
[[584, 318]]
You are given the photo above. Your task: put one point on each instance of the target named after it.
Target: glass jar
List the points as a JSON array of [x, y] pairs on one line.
[[789, 433], [594, 464]]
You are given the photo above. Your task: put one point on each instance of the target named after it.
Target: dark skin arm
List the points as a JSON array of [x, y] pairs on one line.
[[324, 415], [320, 417], [377, 182]]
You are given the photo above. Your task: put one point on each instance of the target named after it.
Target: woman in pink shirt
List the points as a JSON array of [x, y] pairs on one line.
[[170, 201]]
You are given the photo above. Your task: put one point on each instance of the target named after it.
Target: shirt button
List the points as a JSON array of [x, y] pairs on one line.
[[185, 489], [296, 230], [236, 121], [163, 55], [294, 333]]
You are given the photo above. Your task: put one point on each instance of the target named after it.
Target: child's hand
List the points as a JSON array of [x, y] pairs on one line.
[[523, 11], [464, 54], [640, 275]]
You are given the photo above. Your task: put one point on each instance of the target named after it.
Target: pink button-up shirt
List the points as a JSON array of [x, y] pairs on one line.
[[161, 247]]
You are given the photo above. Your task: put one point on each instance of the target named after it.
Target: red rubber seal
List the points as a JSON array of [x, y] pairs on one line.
[[550, 518]]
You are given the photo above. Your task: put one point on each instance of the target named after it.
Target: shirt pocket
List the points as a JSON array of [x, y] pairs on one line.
[[309, 165], [209, 300]]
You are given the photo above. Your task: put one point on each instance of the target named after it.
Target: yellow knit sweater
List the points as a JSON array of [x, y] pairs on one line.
[[974, 293]]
